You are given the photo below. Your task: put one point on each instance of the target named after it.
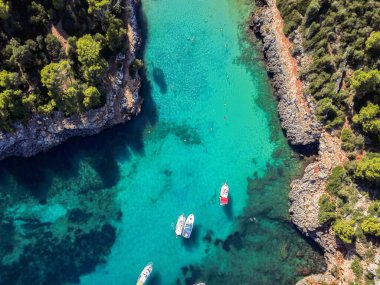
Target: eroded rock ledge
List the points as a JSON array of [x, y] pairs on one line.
[[123, 102], [296, 111]]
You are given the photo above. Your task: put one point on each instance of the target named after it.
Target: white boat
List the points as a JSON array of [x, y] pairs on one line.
[[223, 197], [145, 274], [200, 284], [180, 225], [186, 233]]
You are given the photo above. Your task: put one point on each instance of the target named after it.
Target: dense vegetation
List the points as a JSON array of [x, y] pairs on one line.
[[342, 39], [40, 73]]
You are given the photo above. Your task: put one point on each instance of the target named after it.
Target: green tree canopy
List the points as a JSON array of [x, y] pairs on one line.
[[19, 56], [371, 225], [30, 102], [115, 35], [97, 6], [91, 97], [70, 100], [312, 10], [10, 107], [58, 4], [374, 208], [48, 108], [93, 64], [39, 15], [55, 76], [337, 180], [372, 43], [365, 82], [368, 119], [4, 9], [350, 141], [88, 50], [327, 208], [9, 80], [368, 168], [54, 48], [345, 230], [326, 109]]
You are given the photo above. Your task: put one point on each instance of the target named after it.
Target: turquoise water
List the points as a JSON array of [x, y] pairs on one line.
[[97, 210]]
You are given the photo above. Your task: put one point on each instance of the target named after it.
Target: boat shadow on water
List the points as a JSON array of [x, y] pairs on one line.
[[192, 242], [228, 209], [155, 279]]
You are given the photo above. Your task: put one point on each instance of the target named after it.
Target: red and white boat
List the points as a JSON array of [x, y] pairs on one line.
[[223, 197]]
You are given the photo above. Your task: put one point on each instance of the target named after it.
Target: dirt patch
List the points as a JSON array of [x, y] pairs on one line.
[[61, 35]]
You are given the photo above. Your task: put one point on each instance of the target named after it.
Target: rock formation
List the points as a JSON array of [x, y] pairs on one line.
[[296, 111], [123, 102]]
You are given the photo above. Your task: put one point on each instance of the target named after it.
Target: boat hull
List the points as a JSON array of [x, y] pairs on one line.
[[188, 226], [223, 197], [180, 225], [144, 275]]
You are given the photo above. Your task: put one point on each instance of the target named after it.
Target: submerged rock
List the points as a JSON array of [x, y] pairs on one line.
[[57, 261]]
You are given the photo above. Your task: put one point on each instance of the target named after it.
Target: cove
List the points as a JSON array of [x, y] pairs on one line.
[[96, 210]]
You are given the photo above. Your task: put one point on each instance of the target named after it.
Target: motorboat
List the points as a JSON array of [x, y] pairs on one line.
[[189, 224], [223, 197], [180, 225], [145, 274]]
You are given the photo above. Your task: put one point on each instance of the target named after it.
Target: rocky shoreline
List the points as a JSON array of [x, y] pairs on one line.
[[123, 102], [296, 111]]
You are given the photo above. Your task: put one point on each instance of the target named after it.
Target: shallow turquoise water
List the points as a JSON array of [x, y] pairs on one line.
[[208, 117], [210, 130]]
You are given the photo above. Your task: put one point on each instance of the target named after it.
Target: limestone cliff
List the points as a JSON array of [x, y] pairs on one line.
[[296, 110]]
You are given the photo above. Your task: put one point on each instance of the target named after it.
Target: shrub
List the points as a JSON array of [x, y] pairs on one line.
[[326, 110], [371, 225], [372, 43], [337, 180], [365, 82], [91, 97], [374, 208], [345, 230], [136, 65], [368, 119], [349, 141], [368, 168], [312, 30], [326, 209], [357, 268], [293, 20], [336, 122], [312, 11]]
